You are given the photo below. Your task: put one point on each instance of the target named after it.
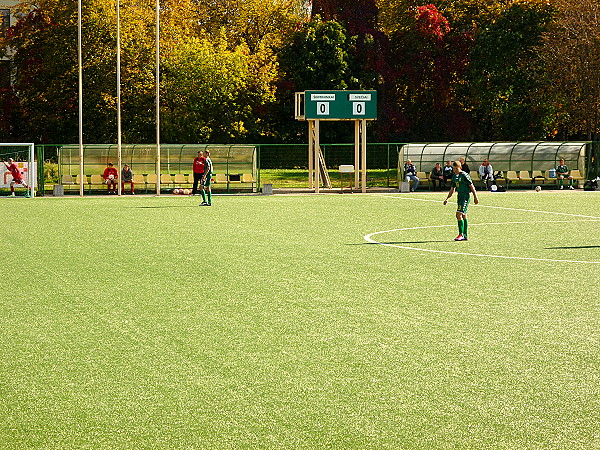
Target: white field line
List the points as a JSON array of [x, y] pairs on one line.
[[498, 207], [369, 238]]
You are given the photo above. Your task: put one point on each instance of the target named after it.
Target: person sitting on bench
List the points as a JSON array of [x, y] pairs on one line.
[[486, 173]]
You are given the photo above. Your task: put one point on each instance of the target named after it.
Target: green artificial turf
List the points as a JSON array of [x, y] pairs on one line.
[[269, 321]]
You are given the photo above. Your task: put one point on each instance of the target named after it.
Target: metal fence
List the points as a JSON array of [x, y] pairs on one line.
[[290, 156], [544, 155]]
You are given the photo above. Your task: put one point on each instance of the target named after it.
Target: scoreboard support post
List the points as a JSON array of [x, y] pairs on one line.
[[360, 154]]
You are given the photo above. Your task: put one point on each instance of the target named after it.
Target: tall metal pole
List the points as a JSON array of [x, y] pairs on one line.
[[316, 153], [119, 144], [158, 96], [311, 152], [363, 164], [80, 62], [356, 154]]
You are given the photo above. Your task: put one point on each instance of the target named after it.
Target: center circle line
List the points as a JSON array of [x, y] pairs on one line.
[[368, 238]]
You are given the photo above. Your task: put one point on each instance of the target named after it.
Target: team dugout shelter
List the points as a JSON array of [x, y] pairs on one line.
[[235, 167], [521, 160]]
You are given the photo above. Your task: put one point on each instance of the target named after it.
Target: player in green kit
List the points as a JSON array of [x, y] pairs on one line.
[[462, 183], [562, 172], [206, 178]]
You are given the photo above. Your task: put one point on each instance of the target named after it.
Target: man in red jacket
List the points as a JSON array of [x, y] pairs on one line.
[[199, 162], [17, 178], [110, 176]]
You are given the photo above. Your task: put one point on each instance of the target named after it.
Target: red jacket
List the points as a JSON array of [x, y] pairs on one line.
[[199, 164], [110, 171]]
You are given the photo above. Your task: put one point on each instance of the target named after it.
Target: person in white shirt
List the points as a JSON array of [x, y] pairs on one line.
[[486, 173]]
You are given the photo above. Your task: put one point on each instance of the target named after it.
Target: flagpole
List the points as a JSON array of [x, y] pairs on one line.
[[158, 97], [80, 82], [119, 143]]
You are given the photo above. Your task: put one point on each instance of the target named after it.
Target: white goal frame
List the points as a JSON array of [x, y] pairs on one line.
[[31, 174]]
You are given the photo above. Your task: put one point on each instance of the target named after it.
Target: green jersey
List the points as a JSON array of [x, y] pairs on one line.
[[462, 183], [562, 170], [208, 170], [208, 166]]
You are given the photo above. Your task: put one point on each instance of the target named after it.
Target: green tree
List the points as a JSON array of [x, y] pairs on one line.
[[507, 81], [317, 55]]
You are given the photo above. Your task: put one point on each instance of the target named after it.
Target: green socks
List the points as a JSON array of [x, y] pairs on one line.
[[203, 196], [209, 197], [462, 227]]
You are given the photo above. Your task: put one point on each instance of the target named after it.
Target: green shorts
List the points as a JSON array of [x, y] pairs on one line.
[[206, 182], [463, 203]]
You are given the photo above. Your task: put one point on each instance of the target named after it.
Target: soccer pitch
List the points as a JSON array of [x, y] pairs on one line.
[[282, 322]]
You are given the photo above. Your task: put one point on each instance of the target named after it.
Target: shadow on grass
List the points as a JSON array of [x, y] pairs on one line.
[[163, 206], [413, 242], [399, 243], [574, 247]]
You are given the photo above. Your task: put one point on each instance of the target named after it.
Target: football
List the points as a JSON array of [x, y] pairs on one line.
[[175, 191], [186, 192], [538, 188], [111, 177]]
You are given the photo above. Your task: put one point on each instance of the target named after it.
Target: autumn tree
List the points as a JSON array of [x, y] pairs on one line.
[[571, 54], [506, 80], [251, 22], [41, 81], [45, 59], [428, 61], [212, 93]]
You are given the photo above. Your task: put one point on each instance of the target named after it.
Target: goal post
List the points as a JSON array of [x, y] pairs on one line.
[[23, 155]]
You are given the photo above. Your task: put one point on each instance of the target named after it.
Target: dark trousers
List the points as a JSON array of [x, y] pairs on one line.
[[440, 183], [197, 178], [487, 182]]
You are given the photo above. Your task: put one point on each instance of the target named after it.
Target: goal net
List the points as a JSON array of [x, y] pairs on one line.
[[22, 156]]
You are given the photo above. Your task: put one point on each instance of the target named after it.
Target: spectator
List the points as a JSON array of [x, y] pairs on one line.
[[199, 162], [465, 166], [448, 172], [127, 177], [110, 176], [562, 172], [486, 173], [437, 175], [410, 173]]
